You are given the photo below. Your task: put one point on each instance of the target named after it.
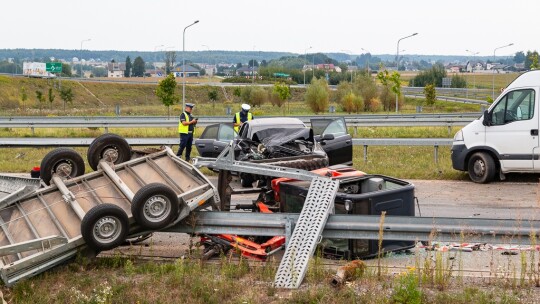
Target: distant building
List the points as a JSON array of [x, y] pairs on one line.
[[247, 71], [116, 69], [190, 71]]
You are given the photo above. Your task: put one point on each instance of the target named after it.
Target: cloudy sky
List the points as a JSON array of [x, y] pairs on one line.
[[444, 27]]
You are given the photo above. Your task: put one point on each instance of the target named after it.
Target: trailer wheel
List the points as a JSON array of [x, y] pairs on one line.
[[154, 206], [110, 147], [64, 162], [481, 168], [105, 227]]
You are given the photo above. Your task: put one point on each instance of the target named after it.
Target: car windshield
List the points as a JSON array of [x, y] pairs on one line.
[[255, 129]]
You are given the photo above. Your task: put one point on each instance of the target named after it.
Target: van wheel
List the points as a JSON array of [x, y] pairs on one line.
[[481, 168]]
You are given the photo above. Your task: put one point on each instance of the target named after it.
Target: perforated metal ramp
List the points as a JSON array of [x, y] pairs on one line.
[[307, 232]]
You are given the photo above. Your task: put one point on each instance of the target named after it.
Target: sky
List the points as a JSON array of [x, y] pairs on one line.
[[298, 26]]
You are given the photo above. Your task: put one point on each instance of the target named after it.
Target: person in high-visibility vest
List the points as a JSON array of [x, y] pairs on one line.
[[186, 126], [241, 117]]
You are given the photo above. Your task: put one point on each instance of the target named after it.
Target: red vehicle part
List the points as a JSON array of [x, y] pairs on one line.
[[246, 247], [333, 172]]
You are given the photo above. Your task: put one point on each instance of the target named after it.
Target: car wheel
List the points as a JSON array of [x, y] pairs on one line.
[[481, 168], [64, 162], [105, 227], [110, 147], [154, 206]]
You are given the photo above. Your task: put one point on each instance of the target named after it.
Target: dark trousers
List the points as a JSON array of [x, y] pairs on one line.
[[186, 140]]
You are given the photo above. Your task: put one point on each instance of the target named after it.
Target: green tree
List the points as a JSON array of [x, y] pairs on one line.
[[99, 72], [213, 96], [534, 61], [253, 62], [127, 71], [237, 92], [166, 92], [282, 92], [431, 94], [458, 81], [40, 98], [352, 103], [529, 59], [24, 96], [365, 86], [317, 95], [258, 96], [245, 96], [138, 67], [66, 94], [51, 96], [391, 89], [519, 57], [431, 76], [66, 70]]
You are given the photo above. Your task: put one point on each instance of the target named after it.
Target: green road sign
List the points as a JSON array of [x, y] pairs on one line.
[[53, 67]]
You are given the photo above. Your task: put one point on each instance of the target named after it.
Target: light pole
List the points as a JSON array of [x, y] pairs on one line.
[[253, 67], [493, 77], [208, 50], [397, 61], [184, 65], [305, 63], [80, 60]]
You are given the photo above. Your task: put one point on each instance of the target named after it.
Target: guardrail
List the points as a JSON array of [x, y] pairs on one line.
[[163, 121], [85, 142]]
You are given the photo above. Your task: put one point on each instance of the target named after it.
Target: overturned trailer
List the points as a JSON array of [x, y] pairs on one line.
[[97, 211]]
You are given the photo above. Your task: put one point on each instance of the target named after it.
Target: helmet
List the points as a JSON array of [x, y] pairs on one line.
[[245, 107]]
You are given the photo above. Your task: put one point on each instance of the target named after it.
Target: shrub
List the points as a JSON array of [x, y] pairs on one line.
[[317, 95]]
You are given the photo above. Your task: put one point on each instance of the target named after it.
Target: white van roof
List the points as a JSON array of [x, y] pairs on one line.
[[527, 79]]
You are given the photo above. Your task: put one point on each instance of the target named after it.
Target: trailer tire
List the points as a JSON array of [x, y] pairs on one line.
[[105, 227], [111, 147], [65, 162], [154, 206], [481, 168]]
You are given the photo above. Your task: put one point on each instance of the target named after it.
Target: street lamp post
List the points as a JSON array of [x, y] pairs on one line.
[[305, 62], [184, 65], [80, 59], [493, 76], [208, 50], [397, 61]]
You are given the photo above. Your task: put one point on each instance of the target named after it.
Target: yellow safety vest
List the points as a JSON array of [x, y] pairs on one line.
[[181, 128], [249, 117]]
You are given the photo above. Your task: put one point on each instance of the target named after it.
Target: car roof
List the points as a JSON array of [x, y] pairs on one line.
[[275, 120]]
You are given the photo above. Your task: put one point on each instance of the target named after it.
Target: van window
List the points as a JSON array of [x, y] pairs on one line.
[[514, 106]]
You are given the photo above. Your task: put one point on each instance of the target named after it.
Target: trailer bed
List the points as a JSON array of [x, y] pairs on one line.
[[43, 228]]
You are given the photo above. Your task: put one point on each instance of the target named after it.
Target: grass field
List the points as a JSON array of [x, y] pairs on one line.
[[92, 98]]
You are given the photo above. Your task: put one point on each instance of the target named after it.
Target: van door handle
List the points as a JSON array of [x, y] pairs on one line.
[[534, 132]]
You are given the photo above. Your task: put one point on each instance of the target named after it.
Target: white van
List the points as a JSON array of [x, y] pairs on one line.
[[505, 138]]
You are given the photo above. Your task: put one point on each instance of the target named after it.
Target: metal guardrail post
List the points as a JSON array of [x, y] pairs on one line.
[[436, 154], [365, 153]]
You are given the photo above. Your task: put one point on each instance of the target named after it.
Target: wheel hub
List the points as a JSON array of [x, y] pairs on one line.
[[107, 229], [157, 208], [64, 169], [479, 168], [110, 155]]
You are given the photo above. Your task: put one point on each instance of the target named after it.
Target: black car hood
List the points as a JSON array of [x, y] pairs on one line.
[[280, 136]]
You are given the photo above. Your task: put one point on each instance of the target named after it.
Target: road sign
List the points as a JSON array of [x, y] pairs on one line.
[[53, 67]]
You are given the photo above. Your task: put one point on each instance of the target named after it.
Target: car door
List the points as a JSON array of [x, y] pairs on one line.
[[214, 139], [513, 130], [339, 149]]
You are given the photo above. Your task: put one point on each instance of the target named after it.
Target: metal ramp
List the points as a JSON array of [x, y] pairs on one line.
[[307, 233], [43, 229], [13, 188]]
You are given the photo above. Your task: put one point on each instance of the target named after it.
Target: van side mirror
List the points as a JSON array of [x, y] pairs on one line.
[[327, 137], [487, 118]]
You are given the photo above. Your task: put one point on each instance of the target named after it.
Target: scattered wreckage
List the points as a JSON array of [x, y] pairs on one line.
[[133, 193]]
